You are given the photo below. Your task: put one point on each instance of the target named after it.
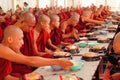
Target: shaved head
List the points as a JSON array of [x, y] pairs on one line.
[[27, 16], [43, 18], [11, 31], [75, 16], [54, 17], [13, 37]]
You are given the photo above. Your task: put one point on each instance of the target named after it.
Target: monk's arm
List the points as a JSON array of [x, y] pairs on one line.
[[38, 53], [93, 21], [52, 45], [31, 60], [9, 77], [116, 43]]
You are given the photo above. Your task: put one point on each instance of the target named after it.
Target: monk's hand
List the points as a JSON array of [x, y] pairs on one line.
[[65, 63], [58, 49]]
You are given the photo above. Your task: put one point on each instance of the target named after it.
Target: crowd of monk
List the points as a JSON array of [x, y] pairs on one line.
[[29, 38]]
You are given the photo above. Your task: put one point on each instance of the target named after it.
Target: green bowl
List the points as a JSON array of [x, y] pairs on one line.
[[91, 44], [82, 44], [77, 65]]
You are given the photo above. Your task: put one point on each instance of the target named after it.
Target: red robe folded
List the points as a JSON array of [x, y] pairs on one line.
[[81, 25], [1, 34], [63, 16], [5, 68], [56, 36], [69, 29], [68, 13], [28, 50], [42, 40], [10, 22]]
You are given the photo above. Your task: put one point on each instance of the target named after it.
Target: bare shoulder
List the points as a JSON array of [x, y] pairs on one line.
[[117, 36], [5, 50], [63, 24]]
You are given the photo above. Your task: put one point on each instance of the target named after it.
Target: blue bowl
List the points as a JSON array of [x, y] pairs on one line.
[[56, 67]]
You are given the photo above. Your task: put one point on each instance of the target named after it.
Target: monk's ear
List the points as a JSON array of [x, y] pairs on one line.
[[42, 23], [10, 39], [53, 23]]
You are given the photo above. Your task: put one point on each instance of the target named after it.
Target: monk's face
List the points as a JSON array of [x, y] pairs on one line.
[[29, 25], [46, 25], [57, 23], [17, 41], [74, 22]]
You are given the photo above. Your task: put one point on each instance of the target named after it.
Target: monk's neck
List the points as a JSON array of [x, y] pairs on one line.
[[19, 24], [51, 27], [5, 43], [68, 22], [37, 28]]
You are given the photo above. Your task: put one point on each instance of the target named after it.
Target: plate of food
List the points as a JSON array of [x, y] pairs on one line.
[[69, 77], [33, 76], [90, 34], [90, 56], [83, 38], [73, 49], [103, 40], [62, 54], [98, 49]]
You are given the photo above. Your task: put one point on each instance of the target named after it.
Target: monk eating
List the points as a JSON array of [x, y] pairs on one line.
[[42, 36], [56, 33], [68, 27], [10, 52]]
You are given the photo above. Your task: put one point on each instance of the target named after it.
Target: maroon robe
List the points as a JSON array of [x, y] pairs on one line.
[[56, 36], [63, 16], [5, 68], [28, 50], [1, 34], [69, 29], [41, 42], [10, 22], [81, 25]]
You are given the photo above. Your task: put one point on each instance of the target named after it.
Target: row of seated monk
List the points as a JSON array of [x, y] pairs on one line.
[[26, 41]]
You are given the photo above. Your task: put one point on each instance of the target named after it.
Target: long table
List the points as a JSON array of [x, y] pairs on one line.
[[86, 72]]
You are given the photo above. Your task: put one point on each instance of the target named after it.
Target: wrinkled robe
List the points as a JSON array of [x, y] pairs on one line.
[[5, 68], [81, 25], [56, 36], [41, 42], [28, 50]]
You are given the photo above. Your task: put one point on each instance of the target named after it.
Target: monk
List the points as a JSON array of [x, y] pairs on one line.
[[115, 76], [26, 23], [10, 52], [85, 19], [56, 33], [116, 43], [42, 35], [68, 29]]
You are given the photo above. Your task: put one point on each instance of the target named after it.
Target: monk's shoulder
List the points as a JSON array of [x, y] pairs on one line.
[[64, 24], [117, 36], [5, 50]]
